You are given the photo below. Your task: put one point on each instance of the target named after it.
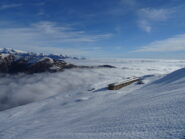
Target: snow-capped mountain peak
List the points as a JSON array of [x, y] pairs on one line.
[[11, 51], [14, 61]]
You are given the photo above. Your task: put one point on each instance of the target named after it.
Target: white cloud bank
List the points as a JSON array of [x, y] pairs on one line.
[[176, 43], [22, 89]]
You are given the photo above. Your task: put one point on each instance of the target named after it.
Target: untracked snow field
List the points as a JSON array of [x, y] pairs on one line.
[[76, 103]]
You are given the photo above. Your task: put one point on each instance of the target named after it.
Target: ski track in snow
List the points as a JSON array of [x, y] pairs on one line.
[[76, 104]]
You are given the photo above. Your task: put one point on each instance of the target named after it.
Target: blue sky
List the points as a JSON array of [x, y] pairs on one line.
[[95, 28]]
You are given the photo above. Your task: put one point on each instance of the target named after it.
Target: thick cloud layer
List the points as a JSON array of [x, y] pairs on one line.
[[21, 89]]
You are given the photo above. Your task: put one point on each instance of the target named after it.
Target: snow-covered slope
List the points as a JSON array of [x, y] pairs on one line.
[[154, 110]]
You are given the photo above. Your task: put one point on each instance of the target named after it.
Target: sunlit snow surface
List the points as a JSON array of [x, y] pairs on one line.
[[76, 104]]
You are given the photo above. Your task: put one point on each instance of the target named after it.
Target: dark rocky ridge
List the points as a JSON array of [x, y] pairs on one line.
[[14, 62], [9, 64]]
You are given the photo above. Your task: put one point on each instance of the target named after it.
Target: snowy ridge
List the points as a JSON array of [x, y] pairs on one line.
[[153, 110], [11, 51], [16, 61], [24, 54]]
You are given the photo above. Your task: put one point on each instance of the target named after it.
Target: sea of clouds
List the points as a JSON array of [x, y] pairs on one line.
[[16, 90]]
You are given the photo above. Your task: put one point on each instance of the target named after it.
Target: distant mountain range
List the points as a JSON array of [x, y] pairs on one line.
[[17, 61], [19, 53]]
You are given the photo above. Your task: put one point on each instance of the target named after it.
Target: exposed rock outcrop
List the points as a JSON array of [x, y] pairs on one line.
[[9, 64], [6, 61]]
